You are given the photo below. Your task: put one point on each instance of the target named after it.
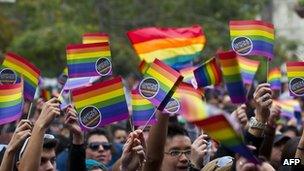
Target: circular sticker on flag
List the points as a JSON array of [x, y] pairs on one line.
[[296, 86], [242, 45], [8, 76], [89, 117], [172, 106], [149, 87], [103, 66]]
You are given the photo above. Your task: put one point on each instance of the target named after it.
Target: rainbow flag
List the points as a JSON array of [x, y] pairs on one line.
[[85, 60], [108, 98], [248, 69], [192, 106], [45, 94], [143, 66], [232, 76], [11, 98], [274, 78], [252, 37], [88, 38], [295, 70], [208, 74], [220, 128], [188, 74], [30, 72], [142, 110], [287, 110], [164, 82], [177, 47]]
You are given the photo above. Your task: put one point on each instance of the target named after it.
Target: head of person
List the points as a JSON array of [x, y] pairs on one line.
[[290, 131], [177, 149], [278, 145], [48, 155], [289, 150], [120, 134], [98, 146]]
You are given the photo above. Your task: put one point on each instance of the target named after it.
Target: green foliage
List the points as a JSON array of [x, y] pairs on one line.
[[40, 30]]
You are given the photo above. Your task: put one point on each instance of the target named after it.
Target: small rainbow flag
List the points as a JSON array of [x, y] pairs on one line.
[[188, 74], [208, 74], [162, 80], [287, 110], [85, 60], [142, 110], [274, 78], [232, 76], [108, 98], [248, 69], [220, 128], [143, 66], [88, 38], [45, 94], [11, 97], [192, 108], [252, 37], [30, 72], [295, 70], [177, 47]]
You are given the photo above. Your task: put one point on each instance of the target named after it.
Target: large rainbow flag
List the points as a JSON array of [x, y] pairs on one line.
[[161, 80], [252, 37], [30, 72], [295, 74], [232, 76], [192, 106], [108, 98], [177, 47], [88, 38], [274, 78], [11, 98], [248, 68], [85, 60], [208, 74], [142, 110], [220, 128]]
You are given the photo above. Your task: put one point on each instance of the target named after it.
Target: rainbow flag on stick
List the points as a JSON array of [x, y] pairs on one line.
[[274, 78], [177, 47], [101, 104], [11, 98], [248, 69], [232, 76], [45, 94], [188, 74], [142, 110], [252, 37], [295, 74], [143, 66], [30, 72], [159, 83], [85, 60], [88, 38], [208, 74], [221, 129], [192, 108]]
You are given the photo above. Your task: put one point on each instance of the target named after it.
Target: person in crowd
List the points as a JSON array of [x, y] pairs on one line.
[[290, 131], [119, 134], [38, 155], [22, 132]]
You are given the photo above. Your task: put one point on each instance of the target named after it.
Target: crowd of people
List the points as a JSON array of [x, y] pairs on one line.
[[53, 140]]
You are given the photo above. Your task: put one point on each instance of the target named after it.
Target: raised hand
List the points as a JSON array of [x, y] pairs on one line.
[[199, 151], [50, 110], [275, 112], [262, 101], [240, 114], [133, 155], [22, 131], [71, 121]]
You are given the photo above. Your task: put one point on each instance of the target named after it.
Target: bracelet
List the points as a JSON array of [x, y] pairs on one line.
[[300, 148]]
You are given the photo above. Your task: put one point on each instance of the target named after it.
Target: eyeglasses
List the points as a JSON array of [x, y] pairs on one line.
[[178, 153], [95, 145]]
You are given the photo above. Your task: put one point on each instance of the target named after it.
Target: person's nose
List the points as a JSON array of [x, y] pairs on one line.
[[49, 166], [100, 148], [183, 158]]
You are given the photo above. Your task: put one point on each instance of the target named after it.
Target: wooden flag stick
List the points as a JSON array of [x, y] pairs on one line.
[[146, 124]]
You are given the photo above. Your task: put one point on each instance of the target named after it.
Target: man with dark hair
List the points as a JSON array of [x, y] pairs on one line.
[[177, 149], [98, 146]]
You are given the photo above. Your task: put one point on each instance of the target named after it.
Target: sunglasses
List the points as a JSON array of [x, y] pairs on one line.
[[95, 145]]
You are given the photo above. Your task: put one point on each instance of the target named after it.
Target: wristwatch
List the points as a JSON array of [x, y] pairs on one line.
[[253, 123]]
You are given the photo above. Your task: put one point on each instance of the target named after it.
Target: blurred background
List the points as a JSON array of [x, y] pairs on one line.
[[40, 29]]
